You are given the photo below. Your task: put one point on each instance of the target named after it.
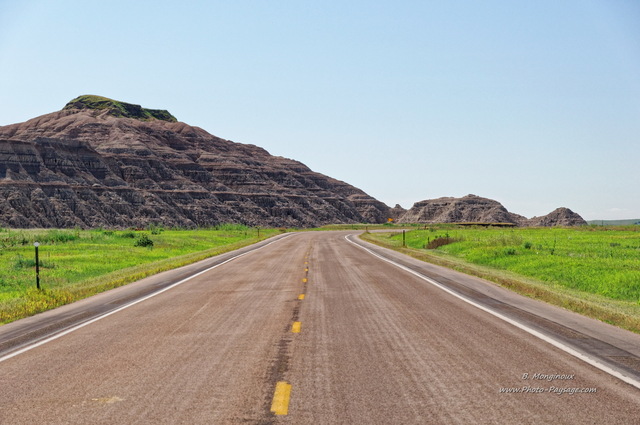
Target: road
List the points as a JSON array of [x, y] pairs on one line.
[[320, 331]]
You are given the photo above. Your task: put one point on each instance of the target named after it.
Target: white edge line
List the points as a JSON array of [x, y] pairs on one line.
[[552, 341], [95, 319]]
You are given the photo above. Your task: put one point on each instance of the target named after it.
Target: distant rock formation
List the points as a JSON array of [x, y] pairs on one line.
[[558, 217], [100, 162], [470, 208], [396, 212], [475, 209]]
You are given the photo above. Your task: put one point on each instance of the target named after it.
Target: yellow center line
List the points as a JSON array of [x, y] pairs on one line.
[[304, 280], [295, 328], [280, 404], [301, 297]]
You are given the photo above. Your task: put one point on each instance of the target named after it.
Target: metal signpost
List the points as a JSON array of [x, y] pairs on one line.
[[37, 244]]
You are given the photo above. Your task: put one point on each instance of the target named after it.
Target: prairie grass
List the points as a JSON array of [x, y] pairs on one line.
[[591, 270], [75, 264]]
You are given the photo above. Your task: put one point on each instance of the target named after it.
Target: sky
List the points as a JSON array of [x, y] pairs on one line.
[[535, 104]]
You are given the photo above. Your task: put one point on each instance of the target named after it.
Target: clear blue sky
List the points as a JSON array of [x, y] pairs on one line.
[[533, 103]]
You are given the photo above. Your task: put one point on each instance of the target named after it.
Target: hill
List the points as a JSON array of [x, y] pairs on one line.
[[475, 209], [101, 162]]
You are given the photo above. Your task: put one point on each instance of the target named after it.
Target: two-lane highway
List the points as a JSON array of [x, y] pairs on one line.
[[313, 329]]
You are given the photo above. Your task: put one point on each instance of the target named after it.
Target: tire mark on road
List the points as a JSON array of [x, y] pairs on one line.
[[277, 401]]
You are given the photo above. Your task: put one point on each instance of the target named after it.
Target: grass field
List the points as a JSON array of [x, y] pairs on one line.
[[594, 270], [75, 264]]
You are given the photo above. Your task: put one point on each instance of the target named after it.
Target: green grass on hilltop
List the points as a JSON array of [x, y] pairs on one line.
[[75, 264], [119, 109], [592, 270]]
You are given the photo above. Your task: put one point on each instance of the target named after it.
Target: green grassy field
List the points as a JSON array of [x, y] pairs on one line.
[[75, 264], [594, 270]]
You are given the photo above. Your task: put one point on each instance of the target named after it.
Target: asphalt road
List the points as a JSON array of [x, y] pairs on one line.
[[319, 331]]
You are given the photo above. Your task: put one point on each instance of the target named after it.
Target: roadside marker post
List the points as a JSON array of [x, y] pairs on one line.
[[37, 244]]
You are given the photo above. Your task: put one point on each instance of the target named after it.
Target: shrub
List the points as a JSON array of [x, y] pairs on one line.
[[440, 241], [155, 229], [231, 227], [143, 241]]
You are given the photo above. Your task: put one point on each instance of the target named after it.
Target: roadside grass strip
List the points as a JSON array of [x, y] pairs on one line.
[[594, 272], [558, 344], [75, 264], [52, 337]]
